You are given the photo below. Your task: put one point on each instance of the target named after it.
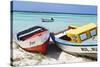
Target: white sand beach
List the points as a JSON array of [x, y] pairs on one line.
[[23, 58]]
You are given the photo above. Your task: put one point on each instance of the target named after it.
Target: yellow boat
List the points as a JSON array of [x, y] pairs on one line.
[[79, 41]]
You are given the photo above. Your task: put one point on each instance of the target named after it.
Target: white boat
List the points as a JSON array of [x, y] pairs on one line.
[[34, 39], [88, 47]]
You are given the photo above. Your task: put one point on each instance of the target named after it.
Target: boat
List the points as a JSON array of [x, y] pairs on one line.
[[79, 41], [48, 20], [34, 39]]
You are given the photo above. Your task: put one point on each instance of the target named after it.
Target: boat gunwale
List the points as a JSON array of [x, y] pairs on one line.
[[73, 45]]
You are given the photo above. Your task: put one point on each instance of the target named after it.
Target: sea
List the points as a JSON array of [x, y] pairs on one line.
[[23, 20]]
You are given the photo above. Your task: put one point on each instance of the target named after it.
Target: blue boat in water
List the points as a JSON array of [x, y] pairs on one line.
[[80, 41]]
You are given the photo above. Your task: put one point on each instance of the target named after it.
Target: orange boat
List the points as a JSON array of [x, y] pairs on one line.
[[35, 39]]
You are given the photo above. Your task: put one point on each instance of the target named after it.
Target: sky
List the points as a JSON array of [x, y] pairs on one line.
[[51, 7]]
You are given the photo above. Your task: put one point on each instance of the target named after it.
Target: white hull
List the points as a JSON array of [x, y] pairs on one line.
[[88, 51], [87, 47], [35, 41]]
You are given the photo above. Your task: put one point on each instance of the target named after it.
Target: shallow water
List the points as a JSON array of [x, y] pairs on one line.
[[24, 20]]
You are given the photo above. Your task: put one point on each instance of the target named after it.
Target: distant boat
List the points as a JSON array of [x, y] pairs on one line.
[[48, 20], [79, 41], [34, 39]]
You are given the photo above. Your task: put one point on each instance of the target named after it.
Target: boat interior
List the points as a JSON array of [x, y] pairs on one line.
[[65, 37], [79, 34]]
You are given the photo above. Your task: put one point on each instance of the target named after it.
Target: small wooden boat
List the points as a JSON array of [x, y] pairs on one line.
[[34, 39], [80, 41], [48, 20]]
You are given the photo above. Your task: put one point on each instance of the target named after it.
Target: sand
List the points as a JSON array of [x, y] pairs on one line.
[[53, 56]]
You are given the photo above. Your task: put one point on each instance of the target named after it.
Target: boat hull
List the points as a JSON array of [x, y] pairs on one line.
[[34, 39], [84, 51], [87, 49], [36, 44], [38, 49]]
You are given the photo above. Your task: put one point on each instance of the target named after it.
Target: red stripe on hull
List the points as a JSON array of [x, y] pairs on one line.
[[38, 49]]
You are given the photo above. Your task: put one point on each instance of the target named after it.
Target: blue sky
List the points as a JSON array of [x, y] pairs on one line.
[[51, 7]]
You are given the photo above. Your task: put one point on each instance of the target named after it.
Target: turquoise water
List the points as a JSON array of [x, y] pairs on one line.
[[24, 20]]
